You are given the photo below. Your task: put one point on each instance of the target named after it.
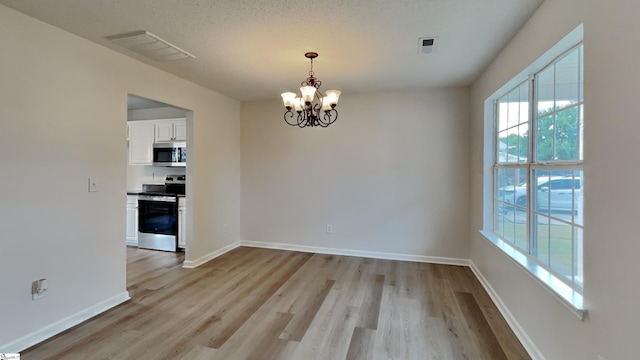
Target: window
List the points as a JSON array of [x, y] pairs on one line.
[[538, 182]]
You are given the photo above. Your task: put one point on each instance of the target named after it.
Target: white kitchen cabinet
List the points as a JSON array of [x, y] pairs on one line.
[[141, 137], [182, 217], [180, 130], [171, 130], [132, 220], [164, 131]]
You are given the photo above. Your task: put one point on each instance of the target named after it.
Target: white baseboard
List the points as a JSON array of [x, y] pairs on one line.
[[524, 338], [190, 264], [48, 331], [359, 253]]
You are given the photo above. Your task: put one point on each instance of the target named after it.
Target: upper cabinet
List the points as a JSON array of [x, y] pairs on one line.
[[171, 130], [143, 133], [140, 142]]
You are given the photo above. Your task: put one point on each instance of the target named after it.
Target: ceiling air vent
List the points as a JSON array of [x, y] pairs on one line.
[[427, 45], [151, 46]]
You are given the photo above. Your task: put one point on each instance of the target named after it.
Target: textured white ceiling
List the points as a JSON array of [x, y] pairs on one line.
[[254, 50]]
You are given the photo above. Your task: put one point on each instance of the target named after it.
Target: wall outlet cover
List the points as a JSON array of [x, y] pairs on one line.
[[329, 229], [38, 288]]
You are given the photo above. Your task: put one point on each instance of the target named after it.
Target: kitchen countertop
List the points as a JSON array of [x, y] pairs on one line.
[[137, 192]]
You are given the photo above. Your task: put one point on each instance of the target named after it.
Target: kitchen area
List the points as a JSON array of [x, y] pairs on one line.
[[156, 175]]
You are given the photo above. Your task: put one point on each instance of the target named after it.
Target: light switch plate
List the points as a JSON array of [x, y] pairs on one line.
[[93, 185]]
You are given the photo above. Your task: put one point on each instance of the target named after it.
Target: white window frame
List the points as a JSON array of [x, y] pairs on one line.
[[571, 297]]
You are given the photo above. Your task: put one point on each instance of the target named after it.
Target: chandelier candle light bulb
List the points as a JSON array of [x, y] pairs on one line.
[[288, 98], [312, 108], [326, 106], [297, 104], [333, 96], [308, 92]]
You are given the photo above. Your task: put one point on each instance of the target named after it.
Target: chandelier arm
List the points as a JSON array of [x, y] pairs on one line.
[[330, 116], [289, 114], [317, 107], [302, 119], [322, 123], [311, 81]]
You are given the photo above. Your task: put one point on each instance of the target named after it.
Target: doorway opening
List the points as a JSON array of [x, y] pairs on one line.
[[158, 135]]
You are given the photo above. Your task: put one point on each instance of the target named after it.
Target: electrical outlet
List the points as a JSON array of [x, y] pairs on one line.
[[93, 185], [38, 287], [329, 229], [224, 228]]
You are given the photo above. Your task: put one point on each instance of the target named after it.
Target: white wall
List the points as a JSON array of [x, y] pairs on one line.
[[390, 175], [612, 88], [137, 175], [63, 111]]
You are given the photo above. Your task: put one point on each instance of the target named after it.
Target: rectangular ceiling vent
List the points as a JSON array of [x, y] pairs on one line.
[[151, 46], [427, 45]]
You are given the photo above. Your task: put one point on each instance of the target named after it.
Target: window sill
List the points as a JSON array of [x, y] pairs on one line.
[[569, 297]]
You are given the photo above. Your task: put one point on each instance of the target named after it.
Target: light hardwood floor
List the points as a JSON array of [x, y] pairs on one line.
[[270, 304]]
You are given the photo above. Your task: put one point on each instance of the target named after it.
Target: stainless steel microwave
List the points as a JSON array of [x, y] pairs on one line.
[[170, 154]]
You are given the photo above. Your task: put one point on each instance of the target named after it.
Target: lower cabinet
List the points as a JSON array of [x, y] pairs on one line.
[[182, 216], [132, 220]]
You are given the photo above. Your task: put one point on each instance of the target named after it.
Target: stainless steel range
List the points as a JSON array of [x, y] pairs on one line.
[[158, 214]]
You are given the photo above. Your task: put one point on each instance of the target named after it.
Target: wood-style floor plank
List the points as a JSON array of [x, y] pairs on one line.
[[370, 308], [360, 345], [478, 324], [200, 353], [302, 319], [267, 304]]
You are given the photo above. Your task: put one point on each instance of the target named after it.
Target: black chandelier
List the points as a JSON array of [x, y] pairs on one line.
[[313, 109]]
